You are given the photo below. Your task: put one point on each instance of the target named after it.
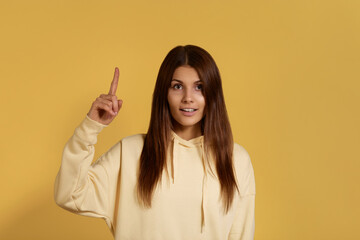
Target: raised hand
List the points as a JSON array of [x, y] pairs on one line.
[[106, 107]]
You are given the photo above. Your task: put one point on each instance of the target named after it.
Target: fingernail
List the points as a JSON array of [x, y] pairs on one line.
[[116, 113]]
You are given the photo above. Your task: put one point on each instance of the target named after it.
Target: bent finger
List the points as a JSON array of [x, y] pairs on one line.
[[106, 107]]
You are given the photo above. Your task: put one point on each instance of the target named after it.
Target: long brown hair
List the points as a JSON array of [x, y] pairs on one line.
[[218, 140]]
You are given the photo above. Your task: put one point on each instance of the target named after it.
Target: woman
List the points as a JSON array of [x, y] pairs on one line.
[[184, 179]]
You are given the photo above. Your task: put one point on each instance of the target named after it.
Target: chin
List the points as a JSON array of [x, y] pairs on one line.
[[188, 123]]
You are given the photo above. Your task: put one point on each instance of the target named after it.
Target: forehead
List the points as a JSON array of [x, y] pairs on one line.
[[186, 73]]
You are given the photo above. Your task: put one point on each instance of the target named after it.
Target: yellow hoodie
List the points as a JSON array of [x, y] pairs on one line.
[[186, 204]]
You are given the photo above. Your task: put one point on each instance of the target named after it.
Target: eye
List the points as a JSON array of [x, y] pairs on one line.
[[199, 87], [177, 86]]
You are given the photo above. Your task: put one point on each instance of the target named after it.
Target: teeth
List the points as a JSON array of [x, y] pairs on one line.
[[188, 109]]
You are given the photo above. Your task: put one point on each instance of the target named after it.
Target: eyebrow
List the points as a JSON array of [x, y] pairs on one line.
[[177, 80]]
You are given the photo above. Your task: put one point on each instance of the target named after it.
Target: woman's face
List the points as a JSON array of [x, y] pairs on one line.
[[186, 101]]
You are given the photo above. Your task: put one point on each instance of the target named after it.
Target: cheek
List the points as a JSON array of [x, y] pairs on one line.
[[201, 101], [171, 101]]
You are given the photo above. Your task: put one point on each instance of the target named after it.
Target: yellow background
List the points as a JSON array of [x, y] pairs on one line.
[[291, 76]]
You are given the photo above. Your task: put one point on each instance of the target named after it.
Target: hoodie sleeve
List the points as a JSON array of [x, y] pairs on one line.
[[243, 227], [83, 187]]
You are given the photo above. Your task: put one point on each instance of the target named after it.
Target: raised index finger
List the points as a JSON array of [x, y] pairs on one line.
[[114, 82]]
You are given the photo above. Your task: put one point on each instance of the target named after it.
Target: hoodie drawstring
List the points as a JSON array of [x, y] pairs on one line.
[[203, 187], [173, 160], [176, 143]]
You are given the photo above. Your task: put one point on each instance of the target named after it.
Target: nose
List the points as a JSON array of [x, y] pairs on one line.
[[187, 97]]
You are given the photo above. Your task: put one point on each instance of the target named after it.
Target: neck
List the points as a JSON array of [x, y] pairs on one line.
[[188, 133]]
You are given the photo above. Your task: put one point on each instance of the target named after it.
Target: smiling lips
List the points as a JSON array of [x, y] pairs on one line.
[[188, 111]]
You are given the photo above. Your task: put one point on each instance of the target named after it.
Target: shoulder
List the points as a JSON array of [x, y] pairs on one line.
[[133, 144], [134, 139], [240, 153], [244, 170], [242, 160]]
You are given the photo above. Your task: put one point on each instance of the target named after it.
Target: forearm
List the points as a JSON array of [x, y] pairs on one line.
[[244, 224], [77, 157]]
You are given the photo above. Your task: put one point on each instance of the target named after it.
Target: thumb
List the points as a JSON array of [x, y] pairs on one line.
[[120, 102]]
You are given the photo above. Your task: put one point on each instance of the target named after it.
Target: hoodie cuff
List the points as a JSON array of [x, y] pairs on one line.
[[88, 130]]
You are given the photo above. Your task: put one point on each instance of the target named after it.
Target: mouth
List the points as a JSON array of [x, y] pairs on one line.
[[188, 109]]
